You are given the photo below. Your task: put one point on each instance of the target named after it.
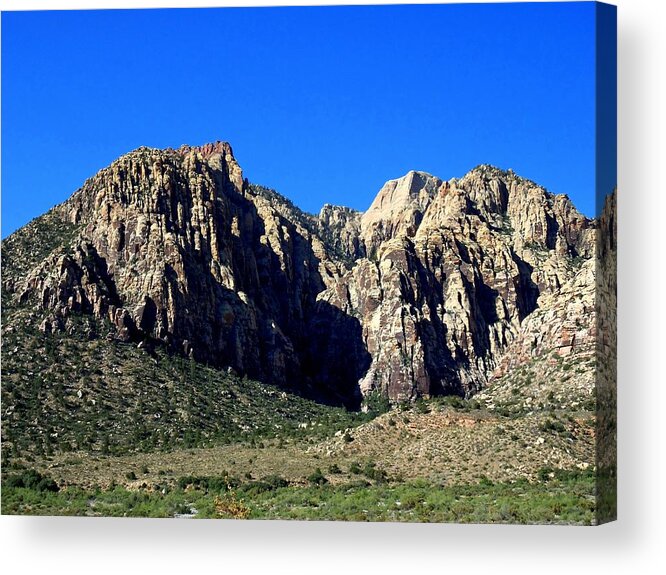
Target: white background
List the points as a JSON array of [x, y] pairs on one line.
[[633, 544]]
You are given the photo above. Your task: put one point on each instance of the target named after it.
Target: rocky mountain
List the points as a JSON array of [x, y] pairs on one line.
[[440, 287]]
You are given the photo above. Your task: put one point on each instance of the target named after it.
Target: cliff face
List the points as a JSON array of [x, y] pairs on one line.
[[440, 287], [466, 279], [174, 246]]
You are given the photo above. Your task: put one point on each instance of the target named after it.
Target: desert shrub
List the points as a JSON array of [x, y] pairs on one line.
[[421, 406], [268, 483], [371, 471], [231, 507], [275, 481], [355, 468], [483, 480], [358, 484], [317, 478], [254, 487], [545, 473], [553, 425], [216, 483], [32, 479], [376, 403]]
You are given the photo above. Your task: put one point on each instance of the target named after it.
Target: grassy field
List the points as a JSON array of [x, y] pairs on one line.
[[559, 497]]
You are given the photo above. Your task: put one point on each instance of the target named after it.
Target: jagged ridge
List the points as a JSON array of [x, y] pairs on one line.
[[428, 292]]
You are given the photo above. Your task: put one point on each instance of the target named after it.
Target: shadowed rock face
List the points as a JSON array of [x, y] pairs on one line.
[[430, 291]]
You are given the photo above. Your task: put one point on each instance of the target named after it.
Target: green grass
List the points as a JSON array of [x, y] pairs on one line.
[[520, 502], [566, 497]]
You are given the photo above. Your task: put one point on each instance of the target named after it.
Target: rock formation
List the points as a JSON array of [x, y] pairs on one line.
[[466, 279], [440, 287]]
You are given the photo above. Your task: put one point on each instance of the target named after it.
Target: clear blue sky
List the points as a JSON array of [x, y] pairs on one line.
[[324, 104]]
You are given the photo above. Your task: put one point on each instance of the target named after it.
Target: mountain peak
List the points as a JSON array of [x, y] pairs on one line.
[[398, 208], [411, 190], [173, 246], [207, 150], [490, 169]]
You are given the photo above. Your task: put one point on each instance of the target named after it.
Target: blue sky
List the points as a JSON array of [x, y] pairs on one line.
[[324, 104]]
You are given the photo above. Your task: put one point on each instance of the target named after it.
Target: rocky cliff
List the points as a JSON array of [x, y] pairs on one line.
[[467, 279], [441, 287]]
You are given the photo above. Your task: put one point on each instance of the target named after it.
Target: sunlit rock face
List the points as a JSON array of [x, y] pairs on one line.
[[439, 287], [466, 279]]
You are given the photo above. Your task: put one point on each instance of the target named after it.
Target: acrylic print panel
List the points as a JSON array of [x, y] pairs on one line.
[[291, 263]]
